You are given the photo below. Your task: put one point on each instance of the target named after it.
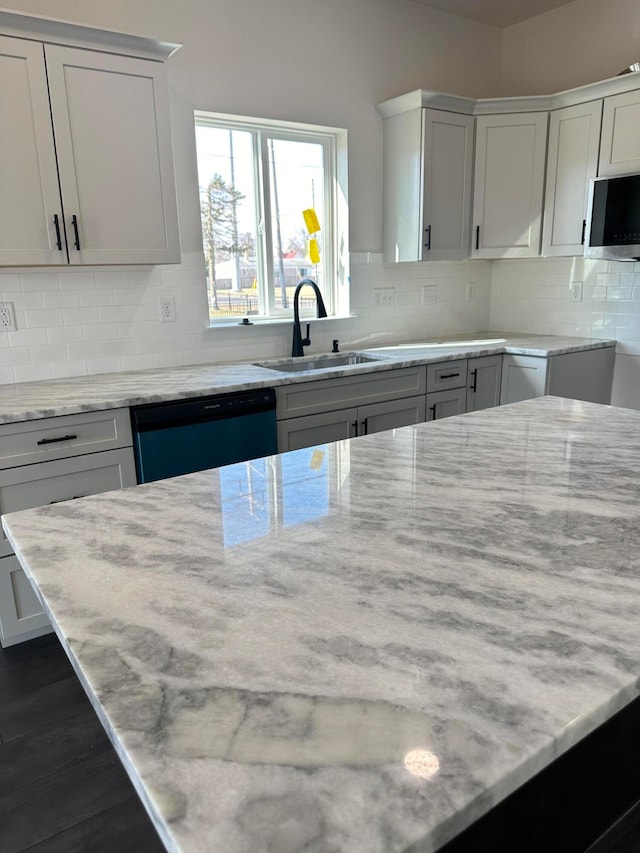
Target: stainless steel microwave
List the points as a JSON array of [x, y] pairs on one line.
[[613, 224]]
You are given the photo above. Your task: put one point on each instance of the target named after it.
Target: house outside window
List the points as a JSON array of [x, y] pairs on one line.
[[273, 203]]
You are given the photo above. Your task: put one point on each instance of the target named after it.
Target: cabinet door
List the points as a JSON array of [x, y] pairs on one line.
[[29, 195], [295, 433], [448, 162], [391, 415], [509, 183], [574, 141], [523, 377], [427, 165], [483, 389], [22, 615], [620, 144], [444, 404], [49, 482], [113, 141]]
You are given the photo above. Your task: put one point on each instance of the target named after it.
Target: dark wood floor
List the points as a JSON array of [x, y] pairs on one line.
[[62, 786]]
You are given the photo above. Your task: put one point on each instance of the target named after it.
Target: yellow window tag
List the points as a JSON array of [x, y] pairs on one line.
[[311, 220], [317, 458], [314, 251]]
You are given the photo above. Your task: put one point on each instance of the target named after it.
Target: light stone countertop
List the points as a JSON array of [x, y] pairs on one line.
[[48, 398], [361, 646]]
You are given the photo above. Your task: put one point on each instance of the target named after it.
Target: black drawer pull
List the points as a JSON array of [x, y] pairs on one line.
[[449, 375], [474, 387], [584, 228], [427, 245], [54, 440], [433, 412], [62, 500], [477, 237]]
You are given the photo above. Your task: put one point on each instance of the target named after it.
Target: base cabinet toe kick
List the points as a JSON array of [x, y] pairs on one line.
[[43, 462]]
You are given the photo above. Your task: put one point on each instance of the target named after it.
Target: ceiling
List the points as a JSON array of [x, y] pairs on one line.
[[498, 13]]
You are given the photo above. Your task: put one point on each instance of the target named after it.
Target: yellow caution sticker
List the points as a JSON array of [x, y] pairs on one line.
[[317, 458], [311, 220], [314, 251]]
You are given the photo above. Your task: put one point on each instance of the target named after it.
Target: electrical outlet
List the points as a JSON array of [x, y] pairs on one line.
[[429, 294], [7, 317], [383, 297], [168, 309], [575, 291], [471, 291]]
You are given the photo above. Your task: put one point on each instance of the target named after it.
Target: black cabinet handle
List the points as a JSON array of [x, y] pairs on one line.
[[365, 426], [74, 222], [354, 427], [474, 387], [427, 231], [55, 440], [449, 375], [62, 500], [584, 228], [56, 222], [477, 237], [432, 409]]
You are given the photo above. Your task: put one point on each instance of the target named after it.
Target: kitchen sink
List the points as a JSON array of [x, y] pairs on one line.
[[318, 362]]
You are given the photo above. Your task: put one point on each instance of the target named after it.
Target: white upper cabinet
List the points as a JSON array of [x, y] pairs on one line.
[[448, 161], [509, 183], [620, 148], [574, 142], [111, 124], [86, 164], [428, 158], [30, 197]]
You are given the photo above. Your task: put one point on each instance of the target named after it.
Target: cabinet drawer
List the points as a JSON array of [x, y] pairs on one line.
[[307, 398], [22, 615], [50, 482], [446, 374], [58, 438]]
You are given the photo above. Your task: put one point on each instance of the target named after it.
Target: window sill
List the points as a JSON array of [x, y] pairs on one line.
[[276, 321]]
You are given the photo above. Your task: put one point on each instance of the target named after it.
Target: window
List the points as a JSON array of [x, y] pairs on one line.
[[273, 206]]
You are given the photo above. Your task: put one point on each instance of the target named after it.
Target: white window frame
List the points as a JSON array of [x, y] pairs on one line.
[[335, 290]]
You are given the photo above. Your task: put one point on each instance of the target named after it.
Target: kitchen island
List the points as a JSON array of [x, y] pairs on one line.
[[362, 646]]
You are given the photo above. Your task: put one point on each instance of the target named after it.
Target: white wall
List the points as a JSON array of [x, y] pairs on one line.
[[579, 43], [290, 59]]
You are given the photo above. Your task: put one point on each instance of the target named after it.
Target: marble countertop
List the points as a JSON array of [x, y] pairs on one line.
[[361, 646], [47, 398]]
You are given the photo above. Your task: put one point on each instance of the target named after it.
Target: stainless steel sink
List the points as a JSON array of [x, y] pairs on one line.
[[318, 362]]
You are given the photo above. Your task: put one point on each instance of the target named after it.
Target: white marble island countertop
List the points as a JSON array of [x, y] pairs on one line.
[[358, 647], [48, 398]]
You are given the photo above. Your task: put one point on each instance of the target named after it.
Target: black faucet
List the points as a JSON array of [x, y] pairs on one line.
[[298, 341]]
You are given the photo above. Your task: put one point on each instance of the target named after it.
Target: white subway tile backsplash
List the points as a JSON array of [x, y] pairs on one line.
[[39, 281], [78, 281], [64, 369], [43, 318], [31, 372], [80, 316]]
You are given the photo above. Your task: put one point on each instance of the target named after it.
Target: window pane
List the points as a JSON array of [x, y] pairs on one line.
[[297, 184], [229, 220]]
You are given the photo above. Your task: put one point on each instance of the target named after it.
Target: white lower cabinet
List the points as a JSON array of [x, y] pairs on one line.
[[332, 409], [32, 485], [585, 375], [483, 382], [22, 615], [295, 433]]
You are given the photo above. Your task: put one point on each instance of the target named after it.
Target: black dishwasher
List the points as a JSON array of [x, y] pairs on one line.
[[180, 437]]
